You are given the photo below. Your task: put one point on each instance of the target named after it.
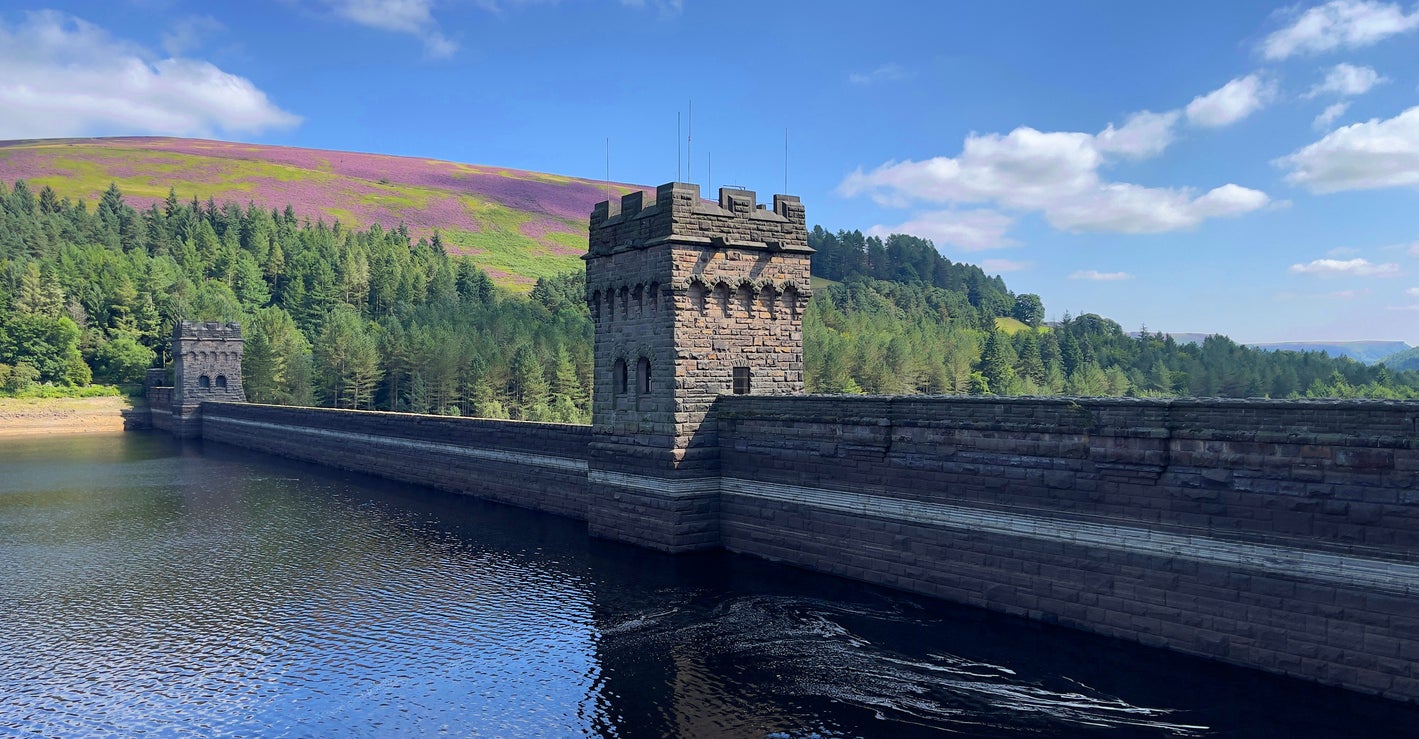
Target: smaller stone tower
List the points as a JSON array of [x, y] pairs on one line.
[[206, 366], [691, 299]]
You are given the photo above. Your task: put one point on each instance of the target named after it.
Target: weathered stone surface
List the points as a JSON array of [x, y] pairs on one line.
[[1279, 535]]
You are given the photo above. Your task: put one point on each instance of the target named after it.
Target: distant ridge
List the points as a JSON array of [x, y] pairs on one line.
[[517, 225], [1368, 352]]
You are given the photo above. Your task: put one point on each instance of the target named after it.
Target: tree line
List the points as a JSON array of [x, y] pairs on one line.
[[375, 319]]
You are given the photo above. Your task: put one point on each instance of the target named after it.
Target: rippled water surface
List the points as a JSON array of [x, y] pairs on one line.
[[149, 588]]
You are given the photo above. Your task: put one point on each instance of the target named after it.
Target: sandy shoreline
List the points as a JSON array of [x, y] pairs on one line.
[[54, 416]]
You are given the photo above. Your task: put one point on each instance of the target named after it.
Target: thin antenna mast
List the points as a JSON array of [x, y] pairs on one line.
[[677, 146]]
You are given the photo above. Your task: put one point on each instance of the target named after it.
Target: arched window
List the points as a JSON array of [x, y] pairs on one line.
[[204, 382], [638, 297], [768, 299], [643, 376], [618, 376], [721, 296], [625, 302], [653, 297], [745, 294], [697, 297], [790, 301], [221, 382], [596, 307]]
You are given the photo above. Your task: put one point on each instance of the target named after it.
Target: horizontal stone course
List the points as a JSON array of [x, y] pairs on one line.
[[1319, 478]]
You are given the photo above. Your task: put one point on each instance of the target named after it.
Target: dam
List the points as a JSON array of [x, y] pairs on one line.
[[1276, 535]]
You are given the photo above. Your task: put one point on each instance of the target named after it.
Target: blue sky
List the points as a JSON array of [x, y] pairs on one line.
[[1247, 168]]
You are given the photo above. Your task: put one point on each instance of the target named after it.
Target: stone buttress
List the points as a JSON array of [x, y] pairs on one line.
[[691, 300], [206, 366]]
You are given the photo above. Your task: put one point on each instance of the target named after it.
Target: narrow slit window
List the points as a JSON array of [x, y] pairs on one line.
[[619, 376], [741, 381], [643, 376]]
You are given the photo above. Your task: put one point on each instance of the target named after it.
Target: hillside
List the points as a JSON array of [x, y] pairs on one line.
[[517, 225], [1368, 352], [1404, 360]]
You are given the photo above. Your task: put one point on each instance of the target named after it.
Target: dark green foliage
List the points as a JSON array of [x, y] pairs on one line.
[[368, 319], [122, 361]]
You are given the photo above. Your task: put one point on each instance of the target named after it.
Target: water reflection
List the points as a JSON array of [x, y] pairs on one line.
[[152, 587]]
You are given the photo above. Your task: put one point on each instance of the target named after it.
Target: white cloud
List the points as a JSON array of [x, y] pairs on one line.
[[1231, 102], [1057, 174], [1328, 116], [1097, 276], [1143, 135], [968, 230], [1414, 249], [1347, 80], [63, 76], [884, 73], [1005, 265], [414, 17], [1412, 292], [1349, 24], [1346, 267], [1360, 156]]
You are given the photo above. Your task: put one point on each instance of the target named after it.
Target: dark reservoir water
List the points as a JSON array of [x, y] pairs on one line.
[[149, 588]]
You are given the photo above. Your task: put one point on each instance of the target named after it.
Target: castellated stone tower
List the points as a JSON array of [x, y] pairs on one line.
[[691, 300], [206, 366]]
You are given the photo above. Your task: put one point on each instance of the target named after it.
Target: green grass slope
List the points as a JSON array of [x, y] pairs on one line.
[[1405, 360], [517, 225]]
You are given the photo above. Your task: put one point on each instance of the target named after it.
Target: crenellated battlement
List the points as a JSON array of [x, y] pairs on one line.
[[208, 331], [676, 212]]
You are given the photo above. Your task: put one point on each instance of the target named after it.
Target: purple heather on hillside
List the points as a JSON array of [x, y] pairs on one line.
[[423, 194]]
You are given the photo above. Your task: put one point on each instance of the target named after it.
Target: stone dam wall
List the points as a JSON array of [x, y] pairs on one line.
[[1279, 535], [1282, 535], [532, 465]]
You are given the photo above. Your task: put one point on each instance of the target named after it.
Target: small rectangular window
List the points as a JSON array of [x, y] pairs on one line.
[[741, 380]]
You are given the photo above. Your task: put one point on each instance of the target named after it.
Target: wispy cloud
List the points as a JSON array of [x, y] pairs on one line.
[[666, 7], [1231, 102], [1360, 156], [1346, 267], [1329, 115], [1097, 276], [884, 73], [63, 76], [1340, 24], [413, 17], [188, 34], [1412, 292], [1347, 80], [968, 230]]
